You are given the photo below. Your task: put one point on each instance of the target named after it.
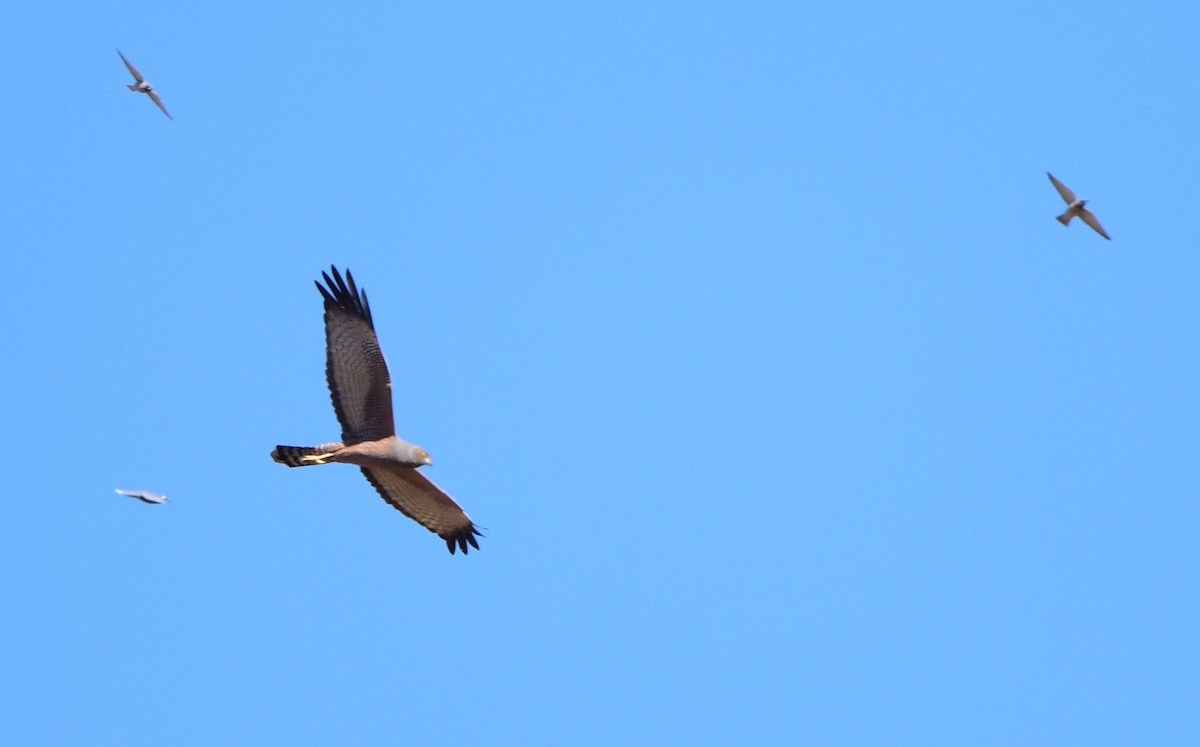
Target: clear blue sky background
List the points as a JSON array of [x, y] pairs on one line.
[[746, 332]]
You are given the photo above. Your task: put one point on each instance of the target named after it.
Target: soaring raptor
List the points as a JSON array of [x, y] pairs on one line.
[[362, 398]]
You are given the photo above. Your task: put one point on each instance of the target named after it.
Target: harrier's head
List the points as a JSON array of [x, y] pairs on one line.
[[410, 454]]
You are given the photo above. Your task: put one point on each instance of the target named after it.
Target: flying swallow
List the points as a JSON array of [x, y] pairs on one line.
[[143, 86], [144, 496], [1075, 207]]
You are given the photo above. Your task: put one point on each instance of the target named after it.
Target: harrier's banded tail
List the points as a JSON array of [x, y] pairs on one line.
[[303, 456]]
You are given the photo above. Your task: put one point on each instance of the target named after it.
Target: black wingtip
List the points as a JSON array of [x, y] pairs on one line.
[[459, 541], [345, 294], [325, 293]]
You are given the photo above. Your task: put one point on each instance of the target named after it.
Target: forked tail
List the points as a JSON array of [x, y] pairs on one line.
[[303, 456]]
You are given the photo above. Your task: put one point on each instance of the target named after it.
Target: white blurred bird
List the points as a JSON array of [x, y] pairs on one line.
[[143, 86], [1075, 207], [144, 496]]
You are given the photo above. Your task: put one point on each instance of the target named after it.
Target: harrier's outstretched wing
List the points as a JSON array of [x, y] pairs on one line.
[[354, 367], [415, 496]]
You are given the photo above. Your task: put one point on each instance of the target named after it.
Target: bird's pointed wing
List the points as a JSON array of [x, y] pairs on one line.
[[415, 496], [132, 70], [1063, 191], [158, 102], [1088, 217], [354, 366]]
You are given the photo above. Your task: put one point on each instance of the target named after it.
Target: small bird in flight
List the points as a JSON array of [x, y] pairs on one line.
[[144, 496], [1075, 207], [143, 86]]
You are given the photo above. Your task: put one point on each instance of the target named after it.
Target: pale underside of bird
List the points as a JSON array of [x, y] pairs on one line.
[[1075, 207], [143, 86], [144, 496], [361, 388]]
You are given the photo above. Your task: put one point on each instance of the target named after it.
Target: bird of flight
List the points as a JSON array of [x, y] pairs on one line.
[[143, 86], [362, 399], [1075, 207], [144, 496]]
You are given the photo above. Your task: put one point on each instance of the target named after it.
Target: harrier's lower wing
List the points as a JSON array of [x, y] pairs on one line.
[[415, 496]]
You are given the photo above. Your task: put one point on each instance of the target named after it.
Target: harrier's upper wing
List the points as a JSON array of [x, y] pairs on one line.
[[133, 70], [1088, 217], [354, 366], [158, 102], [1063, 190], [415, 496]]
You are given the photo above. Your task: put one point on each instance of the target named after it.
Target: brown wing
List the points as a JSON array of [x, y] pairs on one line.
[[158, 102], [354, 366], [1088, 217], [1063, 191], [132, 70], [415, 496]]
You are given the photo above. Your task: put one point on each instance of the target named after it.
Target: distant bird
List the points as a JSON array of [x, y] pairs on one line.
[[362, 398], [1075, 207], [144, 496], [143, 86]]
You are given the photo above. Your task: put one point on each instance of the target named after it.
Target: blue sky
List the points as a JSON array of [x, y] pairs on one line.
[[745, 331]]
